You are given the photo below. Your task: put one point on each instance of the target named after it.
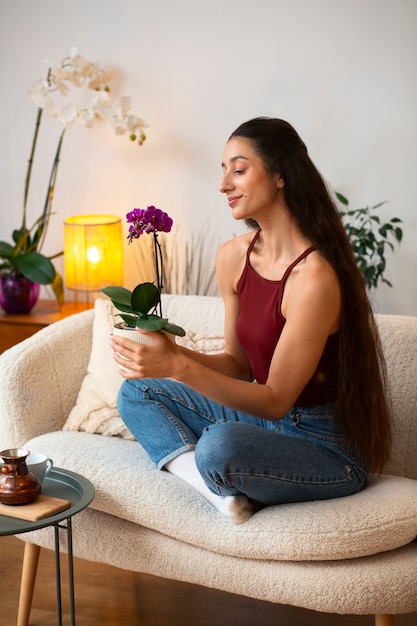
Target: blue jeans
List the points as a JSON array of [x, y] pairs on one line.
[[294, 459]]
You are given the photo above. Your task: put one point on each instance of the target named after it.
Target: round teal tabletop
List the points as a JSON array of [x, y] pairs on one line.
[[59, 483]]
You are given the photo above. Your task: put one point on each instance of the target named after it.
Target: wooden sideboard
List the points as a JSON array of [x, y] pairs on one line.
[[15, 327]]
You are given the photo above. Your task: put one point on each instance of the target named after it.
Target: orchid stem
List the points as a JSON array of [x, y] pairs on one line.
[[30, 163], [50, 195], [159, 268]]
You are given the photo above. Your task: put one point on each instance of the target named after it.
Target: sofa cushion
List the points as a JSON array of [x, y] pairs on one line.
[[95, 410], [128, 486]]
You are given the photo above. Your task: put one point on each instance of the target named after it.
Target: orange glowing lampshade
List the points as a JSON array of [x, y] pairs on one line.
[[93, 252]]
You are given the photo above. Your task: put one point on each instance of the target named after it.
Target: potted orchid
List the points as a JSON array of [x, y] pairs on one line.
[[142, 307], [22, 264]]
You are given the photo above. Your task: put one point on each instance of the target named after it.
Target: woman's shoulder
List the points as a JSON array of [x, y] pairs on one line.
[[231, 259], [237, 246], [314, 274], [314, 286]]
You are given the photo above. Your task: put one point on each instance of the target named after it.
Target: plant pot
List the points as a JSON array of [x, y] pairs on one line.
[[122, 330], [18, 294]]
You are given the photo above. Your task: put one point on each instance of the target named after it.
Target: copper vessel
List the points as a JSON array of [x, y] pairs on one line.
[[17, 484]]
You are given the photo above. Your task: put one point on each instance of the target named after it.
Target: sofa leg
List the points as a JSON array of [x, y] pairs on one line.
[[27, 584], [384, 620]]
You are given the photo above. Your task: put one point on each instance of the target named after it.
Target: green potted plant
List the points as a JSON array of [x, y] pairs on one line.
[[142, 307], [138, 308], [369, 238], [23, 267]]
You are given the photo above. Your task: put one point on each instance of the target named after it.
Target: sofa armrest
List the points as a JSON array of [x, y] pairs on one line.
[[40, 379]]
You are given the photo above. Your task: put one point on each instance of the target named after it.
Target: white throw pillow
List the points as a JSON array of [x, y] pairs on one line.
[[95, 410]]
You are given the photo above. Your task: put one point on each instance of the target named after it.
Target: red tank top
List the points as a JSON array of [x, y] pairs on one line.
[[259, 326]]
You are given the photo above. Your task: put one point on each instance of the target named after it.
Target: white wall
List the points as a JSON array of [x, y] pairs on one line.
[[342, 72]]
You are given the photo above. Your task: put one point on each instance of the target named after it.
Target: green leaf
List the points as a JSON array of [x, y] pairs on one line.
[[376, 206], [36, 267], [151, 323], [58, 288], [174, 330], [121, 306], [341, 198], [130, 320], [119, 294], [145, 297], [6, 250]]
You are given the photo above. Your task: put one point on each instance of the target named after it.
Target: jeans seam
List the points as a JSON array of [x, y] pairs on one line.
[[297, 480], [188, 405]]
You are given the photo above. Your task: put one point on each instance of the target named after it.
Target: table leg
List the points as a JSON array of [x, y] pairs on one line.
[[68, 529], [58, 576], [71, 572], [29, 569]]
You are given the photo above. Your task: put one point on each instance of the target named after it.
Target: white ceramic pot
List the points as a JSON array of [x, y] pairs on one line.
[[134, 335]]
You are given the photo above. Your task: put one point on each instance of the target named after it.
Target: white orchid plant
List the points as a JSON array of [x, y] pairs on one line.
[[76, 71], [23, 257]]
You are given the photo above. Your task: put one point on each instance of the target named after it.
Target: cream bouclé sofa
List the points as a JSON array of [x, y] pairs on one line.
[[353, 555]]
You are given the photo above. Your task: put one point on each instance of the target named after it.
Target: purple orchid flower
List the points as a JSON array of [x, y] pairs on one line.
[[152, 221]]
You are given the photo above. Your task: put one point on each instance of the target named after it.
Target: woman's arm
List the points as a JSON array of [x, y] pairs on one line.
[[311, 306], [232, 361]]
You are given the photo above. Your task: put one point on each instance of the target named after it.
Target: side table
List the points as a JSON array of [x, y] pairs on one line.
[[79, 491], [15, 327]]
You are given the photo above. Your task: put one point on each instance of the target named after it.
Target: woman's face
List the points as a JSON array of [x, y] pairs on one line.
[[251, 191]]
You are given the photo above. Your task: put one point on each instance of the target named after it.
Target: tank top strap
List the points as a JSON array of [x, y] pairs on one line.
[[289, 268], [251, 245], [296, 262]]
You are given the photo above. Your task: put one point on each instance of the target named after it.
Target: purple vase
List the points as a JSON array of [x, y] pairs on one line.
[[18, 294]]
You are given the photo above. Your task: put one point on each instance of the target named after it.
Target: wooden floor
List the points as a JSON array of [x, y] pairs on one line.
[[112, 597]]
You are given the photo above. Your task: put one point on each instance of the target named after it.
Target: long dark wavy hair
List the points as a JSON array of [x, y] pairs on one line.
[[362, 409]]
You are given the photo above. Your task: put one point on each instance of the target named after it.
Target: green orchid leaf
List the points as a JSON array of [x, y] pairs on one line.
[[174, 330], [22, 241], [6, 250], [119, 294], [35, 267], [125, 308], [151, 323], [58, 289], [145, 297], [130, 320]]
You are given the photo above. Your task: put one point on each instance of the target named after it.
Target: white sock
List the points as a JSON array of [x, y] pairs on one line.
[[237, 508]]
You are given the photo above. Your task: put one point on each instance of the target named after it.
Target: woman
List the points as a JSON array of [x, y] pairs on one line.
[[294, 408]]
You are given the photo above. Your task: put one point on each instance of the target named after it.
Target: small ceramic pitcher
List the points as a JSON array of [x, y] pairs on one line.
[[17, 484]]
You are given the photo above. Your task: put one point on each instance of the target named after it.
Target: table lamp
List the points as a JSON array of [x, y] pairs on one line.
[[93, 252]]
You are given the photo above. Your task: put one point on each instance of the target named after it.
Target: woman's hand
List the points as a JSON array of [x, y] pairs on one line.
[[154, 360]]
